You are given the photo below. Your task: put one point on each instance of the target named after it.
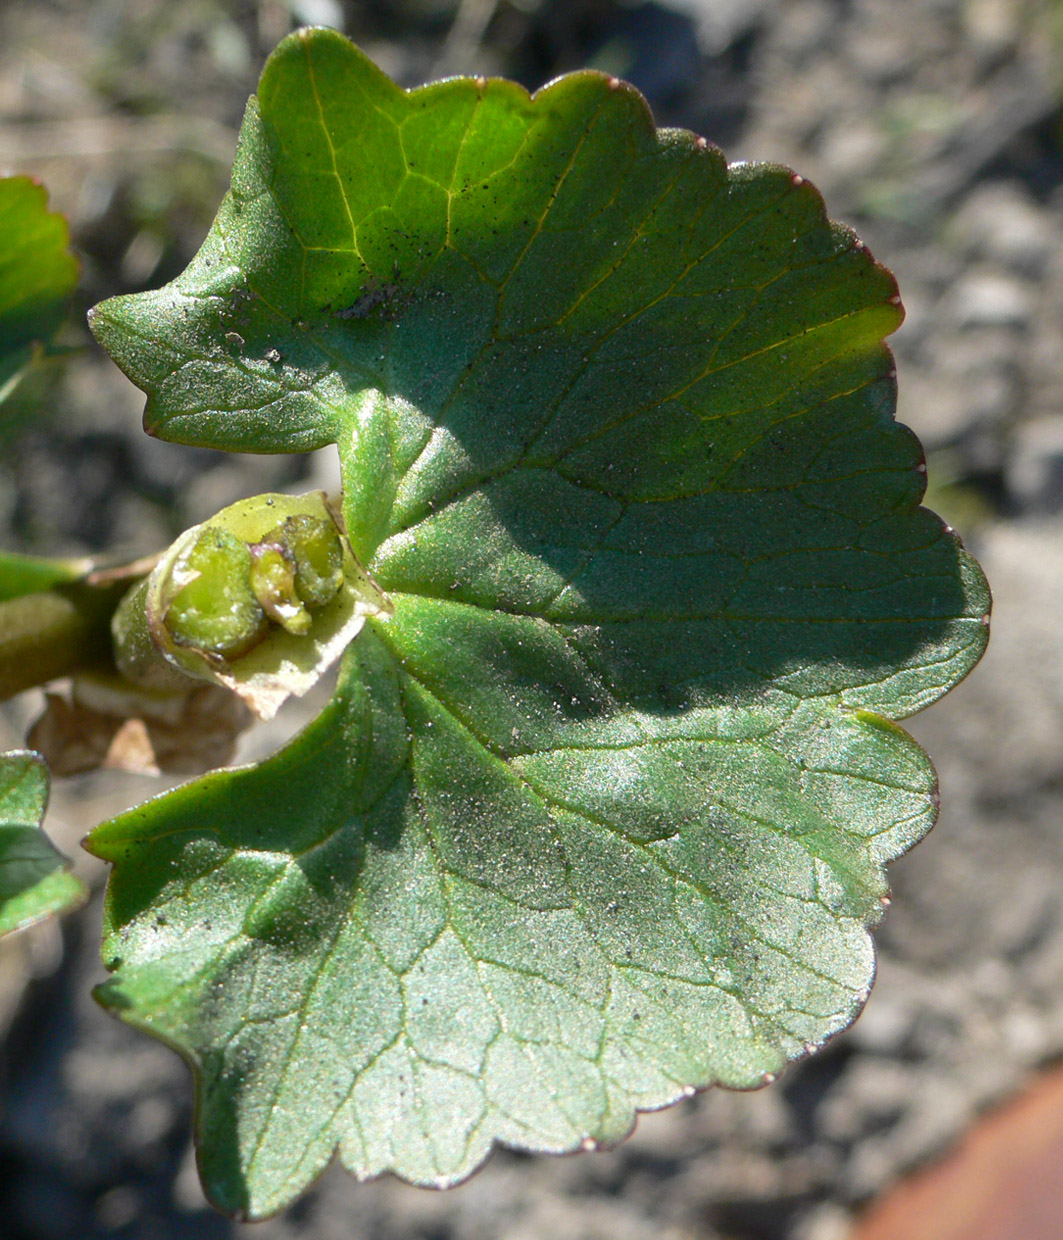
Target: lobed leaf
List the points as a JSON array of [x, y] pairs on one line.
[[34, 880], [599, 815]]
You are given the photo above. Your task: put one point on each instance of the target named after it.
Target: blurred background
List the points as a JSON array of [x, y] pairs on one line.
[[935, 128]]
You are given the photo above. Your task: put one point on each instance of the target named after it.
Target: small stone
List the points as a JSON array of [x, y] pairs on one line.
[[885, 1026], [991, 300], [825, 1221], [1034, 470], [1001, 221], [991, 26], [854, 146]]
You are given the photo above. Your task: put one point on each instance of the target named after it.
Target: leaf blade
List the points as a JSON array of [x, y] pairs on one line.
[[407, 939], [598, 816]]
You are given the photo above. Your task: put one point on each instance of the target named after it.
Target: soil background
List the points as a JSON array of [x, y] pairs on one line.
[[935, 128]]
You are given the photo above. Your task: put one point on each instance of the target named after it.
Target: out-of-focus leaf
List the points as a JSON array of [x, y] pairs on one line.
[[28, 574], [37, 275], [34, 880]]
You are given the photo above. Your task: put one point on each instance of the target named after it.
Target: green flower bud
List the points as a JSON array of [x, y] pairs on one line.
[[262, 598], [319, 558], [273, 571], [217, 611]]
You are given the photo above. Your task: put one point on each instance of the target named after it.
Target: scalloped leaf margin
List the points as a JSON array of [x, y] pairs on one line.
[[599, 815]]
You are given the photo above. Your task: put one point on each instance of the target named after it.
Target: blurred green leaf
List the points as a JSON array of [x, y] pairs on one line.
[[37, 275], [30, 574], [34, 881], [599, 815]]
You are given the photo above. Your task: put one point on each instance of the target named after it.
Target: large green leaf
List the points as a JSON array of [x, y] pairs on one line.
[[599, 815], [34, 881], [37, 274]]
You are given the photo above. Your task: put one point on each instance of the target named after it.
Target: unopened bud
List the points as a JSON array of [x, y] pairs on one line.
[[273, 583], [217, 611], [262, 599]]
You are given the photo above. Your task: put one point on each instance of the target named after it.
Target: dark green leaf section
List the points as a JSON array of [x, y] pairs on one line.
[[30, 574], [37, 274], [391, 940], [599, 815], [34, 881]]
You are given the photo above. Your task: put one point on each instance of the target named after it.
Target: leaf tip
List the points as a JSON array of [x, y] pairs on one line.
[[107, 320], [109, 994]]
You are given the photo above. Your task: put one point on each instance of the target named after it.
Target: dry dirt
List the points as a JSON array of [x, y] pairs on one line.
[[935, 127]]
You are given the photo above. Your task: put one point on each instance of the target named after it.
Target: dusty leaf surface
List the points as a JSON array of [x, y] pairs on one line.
[[599, 815]]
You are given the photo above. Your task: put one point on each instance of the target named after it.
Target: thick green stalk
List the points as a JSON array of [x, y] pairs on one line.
[[55, 633], [136, 652]]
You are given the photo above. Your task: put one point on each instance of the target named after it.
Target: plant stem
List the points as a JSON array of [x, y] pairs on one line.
[[55, 633], [136, 653]]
